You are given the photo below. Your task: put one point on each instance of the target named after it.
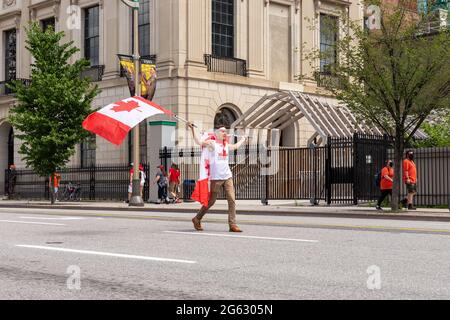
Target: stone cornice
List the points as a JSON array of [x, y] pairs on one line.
[[11, 14]]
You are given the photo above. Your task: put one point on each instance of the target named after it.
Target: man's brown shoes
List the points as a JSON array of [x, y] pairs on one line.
[[197, 224], [235, 228]]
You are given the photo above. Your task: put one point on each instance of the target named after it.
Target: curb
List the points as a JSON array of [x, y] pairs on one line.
[[344, 214]]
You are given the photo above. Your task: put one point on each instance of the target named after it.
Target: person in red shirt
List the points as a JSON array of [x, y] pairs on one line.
[[387, 181], [142, 179], [174, 182], [410, 179]]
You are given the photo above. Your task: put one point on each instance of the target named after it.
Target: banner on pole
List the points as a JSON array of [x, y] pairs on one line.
[[148, 75]]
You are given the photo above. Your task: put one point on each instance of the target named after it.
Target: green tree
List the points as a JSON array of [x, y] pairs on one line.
[[438, 134], [50, 111], [393, 77]]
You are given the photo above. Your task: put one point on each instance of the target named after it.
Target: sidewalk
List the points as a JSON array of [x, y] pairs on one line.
[[246, 207]]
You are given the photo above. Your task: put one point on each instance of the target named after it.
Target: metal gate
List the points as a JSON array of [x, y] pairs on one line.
[[352, 164], [341, 172]]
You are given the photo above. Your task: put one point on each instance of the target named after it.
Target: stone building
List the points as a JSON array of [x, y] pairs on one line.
[[215, 59]]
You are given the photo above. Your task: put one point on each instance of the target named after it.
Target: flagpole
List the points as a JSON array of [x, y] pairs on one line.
[[136, 199]]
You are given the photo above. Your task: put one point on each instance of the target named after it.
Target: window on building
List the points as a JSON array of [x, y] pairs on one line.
[[223, 28], [328, 38], [88, 152], [144, 28], [224, 117], [10, 55], [92, 35], [47, 23], [142, 143]]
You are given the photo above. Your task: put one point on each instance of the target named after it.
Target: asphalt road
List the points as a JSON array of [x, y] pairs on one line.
[[71, 254]]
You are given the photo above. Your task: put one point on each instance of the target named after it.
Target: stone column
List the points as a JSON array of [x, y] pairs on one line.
[[110, 39], [257, 37], [308, 15], [161, 134], [196, 33]]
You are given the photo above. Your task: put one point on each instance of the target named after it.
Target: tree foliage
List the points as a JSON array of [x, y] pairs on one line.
[[393, 77], [50, 110], [438, 134]]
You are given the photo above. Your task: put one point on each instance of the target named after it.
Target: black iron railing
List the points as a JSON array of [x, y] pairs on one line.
[[327, 80], [95, 73], [341, 172], [5, 90], [226, 65], [97, 183]]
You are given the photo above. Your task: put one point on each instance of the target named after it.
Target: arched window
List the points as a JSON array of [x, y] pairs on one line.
[[224, 117]]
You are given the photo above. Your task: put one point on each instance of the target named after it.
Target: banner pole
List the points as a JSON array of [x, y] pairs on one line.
[[136, 198]]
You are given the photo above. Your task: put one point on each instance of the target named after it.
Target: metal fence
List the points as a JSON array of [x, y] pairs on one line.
[[260, 173], [97, 183], [352, 164], [433, 176], [341, 172]]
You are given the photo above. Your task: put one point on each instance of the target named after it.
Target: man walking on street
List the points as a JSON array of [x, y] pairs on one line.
[[220, 174], [410, 179]]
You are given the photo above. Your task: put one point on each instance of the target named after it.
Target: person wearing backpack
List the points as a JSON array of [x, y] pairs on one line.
[[386, 182], [163, 182]]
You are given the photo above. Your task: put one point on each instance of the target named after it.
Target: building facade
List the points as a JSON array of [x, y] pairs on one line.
[[215, 58]]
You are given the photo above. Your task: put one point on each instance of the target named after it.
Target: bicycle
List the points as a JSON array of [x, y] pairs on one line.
[[71, 192]]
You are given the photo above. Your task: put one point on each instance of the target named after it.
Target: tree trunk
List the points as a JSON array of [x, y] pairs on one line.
[[52, 188], [399, 146]]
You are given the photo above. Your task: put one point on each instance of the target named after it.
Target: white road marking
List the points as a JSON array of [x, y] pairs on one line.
[[56, 218], [39, 223], [236, 236], [107, 254]]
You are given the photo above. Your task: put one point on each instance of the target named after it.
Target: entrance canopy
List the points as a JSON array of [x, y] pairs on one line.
[[280, 110]]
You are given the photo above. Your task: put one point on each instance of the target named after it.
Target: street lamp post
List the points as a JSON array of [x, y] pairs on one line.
[[136, 199]]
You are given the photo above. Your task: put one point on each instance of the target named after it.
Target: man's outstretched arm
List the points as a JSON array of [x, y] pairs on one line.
[[197, 138], [238, 144]]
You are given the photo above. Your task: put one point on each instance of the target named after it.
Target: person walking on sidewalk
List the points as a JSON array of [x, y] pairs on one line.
[[386, 183], [410, 179], [142, 178], [11, 181], [220, 174], [162, 181], [174, 182]]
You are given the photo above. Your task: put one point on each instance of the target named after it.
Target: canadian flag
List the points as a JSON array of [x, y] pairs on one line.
[[114, 121], [201, 192]]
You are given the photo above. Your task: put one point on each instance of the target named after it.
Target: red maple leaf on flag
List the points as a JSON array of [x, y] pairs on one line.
[[125, 106]]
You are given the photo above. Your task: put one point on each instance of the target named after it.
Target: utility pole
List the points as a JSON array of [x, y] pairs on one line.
[[136, 199]]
